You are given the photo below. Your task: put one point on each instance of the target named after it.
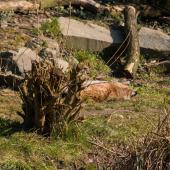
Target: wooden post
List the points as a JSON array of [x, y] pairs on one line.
[[132, 63]]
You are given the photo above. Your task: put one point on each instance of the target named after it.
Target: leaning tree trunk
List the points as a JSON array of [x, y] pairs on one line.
[[133, 47]]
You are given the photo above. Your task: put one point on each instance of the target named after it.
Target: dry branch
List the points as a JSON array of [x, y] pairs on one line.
[[150, 153], [155, 64]]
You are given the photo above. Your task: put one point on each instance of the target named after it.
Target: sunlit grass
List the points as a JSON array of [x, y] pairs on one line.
[[127, 122]]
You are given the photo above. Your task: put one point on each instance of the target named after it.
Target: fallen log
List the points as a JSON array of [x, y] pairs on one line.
[[165, 65], [155, 64], [42, 4], [133, 54]]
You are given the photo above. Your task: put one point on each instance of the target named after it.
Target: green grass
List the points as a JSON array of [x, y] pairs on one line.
[[49, 28], [126, 122], [22, 148], [94, 62]]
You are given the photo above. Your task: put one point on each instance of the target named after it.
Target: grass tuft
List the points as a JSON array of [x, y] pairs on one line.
[[95, 63], [109, 124], [49, 28]]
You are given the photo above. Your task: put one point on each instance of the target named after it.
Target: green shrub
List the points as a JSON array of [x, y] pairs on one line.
[[49, 28], [94, 62]]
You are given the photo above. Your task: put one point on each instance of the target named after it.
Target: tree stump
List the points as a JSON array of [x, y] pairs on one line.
[[133, 44], [51, 98]]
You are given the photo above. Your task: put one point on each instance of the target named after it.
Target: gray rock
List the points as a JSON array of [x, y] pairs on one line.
[[18, 62], [43, 42], [62, 64], [48, 53], [88, 36], [51, 48], [154, 42], [34, 44], [51, 44], [24, 59]]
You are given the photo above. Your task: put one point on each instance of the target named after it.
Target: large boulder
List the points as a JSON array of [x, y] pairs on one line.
[[18, 62], [88, 36], [154, 42], [14, 65]]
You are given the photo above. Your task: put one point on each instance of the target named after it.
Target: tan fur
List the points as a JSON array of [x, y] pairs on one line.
[[107, 91]]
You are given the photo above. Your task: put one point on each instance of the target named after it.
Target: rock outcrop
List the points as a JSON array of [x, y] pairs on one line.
[[88, 36], [18, 62], [92, 37], [154, 42]]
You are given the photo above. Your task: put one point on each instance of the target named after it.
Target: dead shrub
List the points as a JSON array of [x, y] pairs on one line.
[[155, 151], [150, 153], [51, 98]]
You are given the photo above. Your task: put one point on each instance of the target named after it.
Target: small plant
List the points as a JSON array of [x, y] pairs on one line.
[[51, 28], [117, 17], [35, 31], [95, 63]]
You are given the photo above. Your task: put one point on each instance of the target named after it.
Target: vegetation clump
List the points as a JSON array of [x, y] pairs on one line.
[[49, 28], [112, 129], [51, 98], [108, 135], [94, 62]]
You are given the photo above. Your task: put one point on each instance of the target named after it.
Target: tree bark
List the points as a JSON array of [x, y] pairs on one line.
[[133, 48]]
